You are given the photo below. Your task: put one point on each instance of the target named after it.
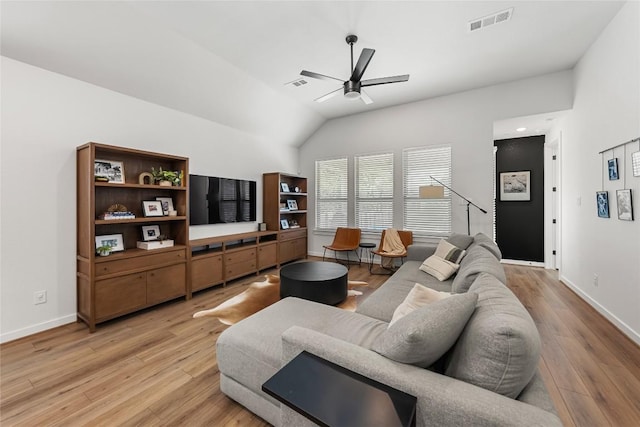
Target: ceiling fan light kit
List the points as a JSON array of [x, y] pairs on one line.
[[352, 88]]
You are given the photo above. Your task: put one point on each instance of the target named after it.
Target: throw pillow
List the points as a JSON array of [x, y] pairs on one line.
[[418, 296], [449, 252], [423, 336], [460, 240], [438, 267]]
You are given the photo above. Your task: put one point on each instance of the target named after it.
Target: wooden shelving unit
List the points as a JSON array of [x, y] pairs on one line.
[[292, 241], [216, 260], [123, 282]]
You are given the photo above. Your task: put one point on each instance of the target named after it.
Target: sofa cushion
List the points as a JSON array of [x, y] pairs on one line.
[[418, 297], [478, 260], [500, 346], [485, 241], [449, 252], [438, 267], [424, 335], [463, 241]]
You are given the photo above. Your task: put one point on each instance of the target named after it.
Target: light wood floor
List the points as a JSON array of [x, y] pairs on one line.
[[159, 367]]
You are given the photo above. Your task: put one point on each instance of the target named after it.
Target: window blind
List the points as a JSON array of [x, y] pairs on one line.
[[331, 193], [426, 216], [374, 191]]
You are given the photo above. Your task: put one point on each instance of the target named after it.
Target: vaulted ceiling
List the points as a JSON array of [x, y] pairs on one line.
[[229, 61]]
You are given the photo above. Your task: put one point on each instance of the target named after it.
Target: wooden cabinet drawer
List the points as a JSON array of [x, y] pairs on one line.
[[141, 262], [293, 249], [206, 271], [240, 269], [240, 256], [166, 283], [267, 255], [292, 234], [120, 295]]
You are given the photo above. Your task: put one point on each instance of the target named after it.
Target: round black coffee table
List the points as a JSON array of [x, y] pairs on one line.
[[324, 282]]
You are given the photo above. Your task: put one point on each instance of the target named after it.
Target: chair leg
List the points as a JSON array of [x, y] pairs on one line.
[[324, 253]]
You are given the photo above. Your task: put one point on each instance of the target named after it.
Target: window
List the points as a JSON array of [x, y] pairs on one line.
[[426, 216], [374, 191], [331, 193]]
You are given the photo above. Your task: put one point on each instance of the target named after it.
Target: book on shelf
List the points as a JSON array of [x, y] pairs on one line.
[[117, 215]]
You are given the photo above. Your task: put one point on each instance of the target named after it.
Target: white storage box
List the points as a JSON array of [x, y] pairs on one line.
[[155, 244]]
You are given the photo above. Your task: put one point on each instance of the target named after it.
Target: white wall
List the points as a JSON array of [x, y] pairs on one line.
[[464, 120], [45, 116], [606, 113]]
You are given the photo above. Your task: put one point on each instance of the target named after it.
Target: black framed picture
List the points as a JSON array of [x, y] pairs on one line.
[[625, 205], [284, 224], [152, 208], [284, 187], [613, 169], [602, 199]]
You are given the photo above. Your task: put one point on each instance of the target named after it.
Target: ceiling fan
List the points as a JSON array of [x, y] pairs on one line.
[[353, 87]]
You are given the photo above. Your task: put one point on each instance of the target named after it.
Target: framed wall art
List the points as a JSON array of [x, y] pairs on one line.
[[635, 163], [292, 204], [284, 187], [284, 224], [109, 170], [515, 186], [602, 200], [167, 204], [114, 240], [613, 169], [625, 205]]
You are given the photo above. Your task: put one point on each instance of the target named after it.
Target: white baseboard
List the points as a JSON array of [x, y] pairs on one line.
[[519, 262], [34, 329], [633, 335]]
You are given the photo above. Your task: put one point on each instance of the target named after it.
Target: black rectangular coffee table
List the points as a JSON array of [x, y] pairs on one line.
[[331, 395]]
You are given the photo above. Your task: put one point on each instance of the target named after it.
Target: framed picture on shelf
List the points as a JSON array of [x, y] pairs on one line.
[[613, 169], [625, 205], [150, 232], [284, 224], [635, 163], [114, 240], [284, 187], [602, 200], [109, 171], [293, 205], [167, 204], [515, 186], [152, 208]]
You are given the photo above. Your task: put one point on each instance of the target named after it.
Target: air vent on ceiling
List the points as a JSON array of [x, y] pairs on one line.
[[486, 21], [297, 83]]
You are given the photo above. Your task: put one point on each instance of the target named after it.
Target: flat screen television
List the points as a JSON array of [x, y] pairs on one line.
[[214, 200]]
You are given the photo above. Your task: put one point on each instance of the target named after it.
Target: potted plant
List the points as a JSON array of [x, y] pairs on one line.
[[167, 178], [104, 250]]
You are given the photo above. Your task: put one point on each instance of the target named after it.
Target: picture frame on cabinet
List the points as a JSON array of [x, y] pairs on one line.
[[292, 205], [613, 169], [625, 205], [113, 170], [284, 224], [114, 240], [602, 201], [167, 204], [150, 232], [152, 208], [284, 187], [515, 186]]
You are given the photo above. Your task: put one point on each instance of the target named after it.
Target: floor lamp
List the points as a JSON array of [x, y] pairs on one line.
[[437, 192]]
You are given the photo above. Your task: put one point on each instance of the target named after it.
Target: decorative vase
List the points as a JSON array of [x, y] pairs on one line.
[[165, 184], [104, 253]]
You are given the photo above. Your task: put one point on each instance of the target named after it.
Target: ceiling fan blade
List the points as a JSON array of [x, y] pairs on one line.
[[385, 80], [363, 61], [365, 98], [329, 95], [319, 76]]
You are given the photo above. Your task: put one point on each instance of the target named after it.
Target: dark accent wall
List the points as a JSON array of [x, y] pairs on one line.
[[520, 224]]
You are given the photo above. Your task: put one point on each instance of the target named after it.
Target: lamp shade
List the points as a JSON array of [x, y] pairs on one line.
[[431, 192]]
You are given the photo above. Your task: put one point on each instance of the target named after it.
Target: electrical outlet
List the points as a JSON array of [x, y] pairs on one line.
[[595, 280], [39, 297]]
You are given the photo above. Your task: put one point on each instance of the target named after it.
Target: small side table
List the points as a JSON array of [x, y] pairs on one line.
[[330, 395], [367, 248]]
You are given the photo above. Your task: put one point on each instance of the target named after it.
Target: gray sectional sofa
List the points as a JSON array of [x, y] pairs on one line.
[[488, 377]]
